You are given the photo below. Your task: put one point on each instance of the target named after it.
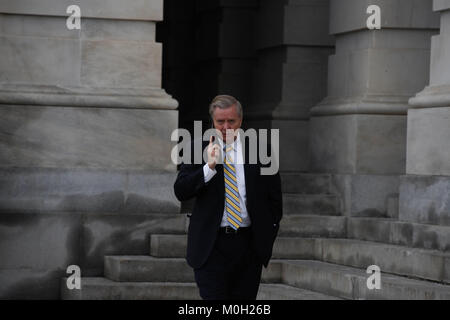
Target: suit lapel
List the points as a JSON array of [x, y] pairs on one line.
[[249, 173], [220, 184]]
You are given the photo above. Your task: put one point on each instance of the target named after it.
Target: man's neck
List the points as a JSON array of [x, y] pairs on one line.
[[234, 140]]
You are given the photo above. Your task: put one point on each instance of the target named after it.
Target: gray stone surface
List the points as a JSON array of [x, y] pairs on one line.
[[86, 137], [419, 263], [364, 144], [424, 193], [428, 151], [349, 15], [107, 9], [44, 190], [36, 249], [401, 260], [351, 283], [290, 72], [425, 199], [284, 292], [104, 289], [168, 245], [98, 57], [387, 231], [436, 94], [147, 269], [365, 195], [305, 183], [400, 233], [313, 226], [311, 204], [27, 283]]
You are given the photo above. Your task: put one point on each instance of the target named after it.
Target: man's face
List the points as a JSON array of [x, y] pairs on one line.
[[227, 119]]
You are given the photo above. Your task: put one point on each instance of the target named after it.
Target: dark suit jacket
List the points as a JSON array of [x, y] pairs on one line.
[[264, 206]]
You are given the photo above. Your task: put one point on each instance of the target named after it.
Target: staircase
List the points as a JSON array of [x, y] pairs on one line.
[[318, 255]]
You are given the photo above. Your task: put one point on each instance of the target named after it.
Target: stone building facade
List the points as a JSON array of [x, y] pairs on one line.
[[86, 117]]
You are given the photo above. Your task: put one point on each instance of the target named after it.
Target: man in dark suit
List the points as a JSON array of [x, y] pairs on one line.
[[237, 210]]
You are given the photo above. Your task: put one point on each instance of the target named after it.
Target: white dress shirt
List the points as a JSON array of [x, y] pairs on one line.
[[240, 177]]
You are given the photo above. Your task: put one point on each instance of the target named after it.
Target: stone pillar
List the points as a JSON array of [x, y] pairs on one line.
[[85, 138], [177, 33], [224, 53], [358, 132], [290, 73], [425, 190]]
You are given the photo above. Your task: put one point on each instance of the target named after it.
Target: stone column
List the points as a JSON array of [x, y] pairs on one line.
[[290, 73], [358, 132], [85, 138], [425, 190], [224, 53]]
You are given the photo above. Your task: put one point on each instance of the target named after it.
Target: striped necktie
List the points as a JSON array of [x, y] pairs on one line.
[[232, 203]]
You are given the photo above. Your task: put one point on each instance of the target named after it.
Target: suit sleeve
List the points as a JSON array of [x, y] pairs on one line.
[[189, 182], [190, 179]]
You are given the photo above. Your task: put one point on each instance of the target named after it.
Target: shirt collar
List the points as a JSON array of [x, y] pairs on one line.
[[234, 144]]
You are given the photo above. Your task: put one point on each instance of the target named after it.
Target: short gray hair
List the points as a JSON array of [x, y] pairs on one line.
[[224, 101]]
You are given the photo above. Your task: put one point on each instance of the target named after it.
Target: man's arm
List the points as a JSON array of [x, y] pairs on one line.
[[190, 181], [193, 177]]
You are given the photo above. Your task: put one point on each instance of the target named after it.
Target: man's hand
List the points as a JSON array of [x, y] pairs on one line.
[[213, 153]]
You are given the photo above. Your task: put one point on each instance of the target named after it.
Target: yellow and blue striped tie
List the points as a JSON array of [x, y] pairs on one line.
[[232, 203]]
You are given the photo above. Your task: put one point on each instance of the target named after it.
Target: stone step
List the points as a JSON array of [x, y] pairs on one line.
[[285, 292], [405, 261], [290, 226], [310, 226], [174, 246], [305, 183], [105, 289], [383, 230], [320, 204], [163, 245], [320, 277], [351, 283], [168, 245], [147, 269], [399, 232], [295, 203], [152, 269], [413, 262]]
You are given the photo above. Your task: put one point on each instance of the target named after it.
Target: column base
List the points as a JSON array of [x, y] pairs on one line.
[[47, 95], [46, 190], [425, 199], [365, 195]]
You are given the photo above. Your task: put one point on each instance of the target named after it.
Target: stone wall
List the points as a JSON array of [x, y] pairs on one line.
[[85, 139], [425, 190], [358, 132]]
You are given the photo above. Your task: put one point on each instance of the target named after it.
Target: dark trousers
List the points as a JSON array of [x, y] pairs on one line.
[[232, 270]]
